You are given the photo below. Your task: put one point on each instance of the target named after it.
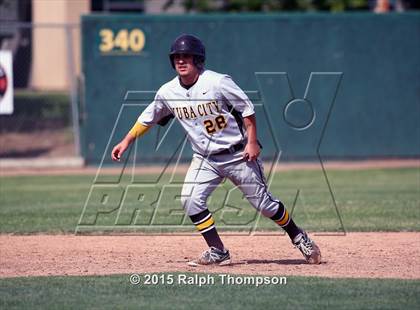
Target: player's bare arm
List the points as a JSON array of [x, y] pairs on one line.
[[121, 147], [252, 149], [118, 150]]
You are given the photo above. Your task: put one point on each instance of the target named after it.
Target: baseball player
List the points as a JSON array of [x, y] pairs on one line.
[[220, 123]]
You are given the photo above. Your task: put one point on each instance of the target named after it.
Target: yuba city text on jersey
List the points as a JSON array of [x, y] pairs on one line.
[[193, 111]]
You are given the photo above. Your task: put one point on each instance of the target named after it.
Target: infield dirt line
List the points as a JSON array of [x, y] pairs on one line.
[[182, 168], [355, 255]]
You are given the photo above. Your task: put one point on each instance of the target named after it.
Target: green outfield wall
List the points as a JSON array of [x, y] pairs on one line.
[[342, 86]]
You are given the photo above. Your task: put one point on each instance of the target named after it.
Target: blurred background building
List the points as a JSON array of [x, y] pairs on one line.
[[40, 53], [45, 41]]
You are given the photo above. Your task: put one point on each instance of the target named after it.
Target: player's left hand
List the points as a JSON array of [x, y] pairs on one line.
[[251, 151]]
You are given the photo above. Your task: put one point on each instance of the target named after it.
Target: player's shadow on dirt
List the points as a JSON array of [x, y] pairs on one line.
[[271, 261]]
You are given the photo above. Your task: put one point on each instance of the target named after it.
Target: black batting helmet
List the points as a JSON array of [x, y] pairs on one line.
[[191, 45]]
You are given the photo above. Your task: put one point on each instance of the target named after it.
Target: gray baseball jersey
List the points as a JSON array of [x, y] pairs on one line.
[[211, 112]]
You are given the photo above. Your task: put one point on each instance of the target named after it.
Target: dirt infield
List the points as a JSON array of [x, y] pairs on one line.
[[356, 255]]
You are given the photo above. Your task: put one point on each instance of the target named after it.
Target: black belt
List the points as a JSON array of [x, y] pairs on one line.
[[233, 149]]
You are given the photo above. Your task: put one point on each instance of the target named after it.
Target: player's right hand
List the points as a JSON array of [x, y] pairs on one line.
[[118, 151]]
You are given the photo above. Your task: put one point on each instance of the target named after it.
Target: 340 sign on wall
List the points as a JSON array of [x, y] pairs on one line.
[[123, 41]]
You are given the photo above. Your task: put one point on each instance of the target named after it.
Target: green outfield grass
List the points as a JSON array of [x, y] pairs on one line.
[[115, 292], [367, 200]]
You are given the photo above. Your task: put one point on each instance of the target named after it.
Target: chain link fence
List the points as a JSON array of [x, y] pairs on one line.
[[46, 68]]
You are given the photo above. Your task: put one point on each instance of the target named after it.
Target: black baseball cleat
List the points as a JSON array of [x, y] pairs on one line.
[[308, 248], [212, 256]]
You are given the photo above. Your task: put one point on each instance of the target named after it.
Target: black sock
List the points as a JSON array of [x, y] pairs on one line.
[[283, 219], [205, 225]]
